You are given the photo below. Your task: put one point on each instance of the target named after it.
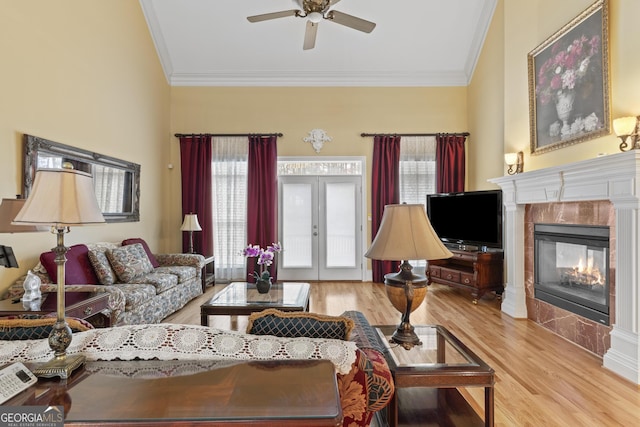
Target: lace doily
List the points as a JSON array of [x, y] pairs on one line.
[[184, 342]]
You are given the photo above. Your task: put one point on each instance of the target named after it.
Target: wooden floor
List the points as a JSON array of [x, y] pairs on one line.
[[542, 380]]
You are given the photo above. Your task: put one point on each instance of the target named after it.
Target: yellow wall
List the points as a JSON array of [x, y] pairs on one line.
[[526, 24], [344, 113], [83, 73], [486, 106]]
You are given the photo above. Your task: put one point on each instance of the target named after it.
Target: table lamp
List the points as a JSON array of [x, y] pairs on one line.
[[405, 233], [60, 198], [190, 224]]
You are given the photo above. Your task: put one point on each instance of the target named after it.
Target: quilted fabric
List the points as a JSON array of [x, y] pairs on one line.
[[152, 257], [363, 333], [299, 324], [129, 262], [101, 266], [28, 328]]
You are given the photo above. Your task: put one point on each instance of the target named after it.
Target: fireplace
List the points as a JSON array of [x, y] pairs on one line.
[[612, 179], [571, 268]]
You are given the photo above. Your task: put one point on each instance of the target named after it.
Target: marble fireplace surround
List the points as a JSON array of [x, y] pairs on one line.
[[615, 178]]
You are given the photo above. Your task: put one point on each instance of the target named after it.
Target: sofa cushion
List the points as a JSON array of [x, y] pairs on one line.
[[102, 267], [161, 281], [77, 271], [129, 262], [31, 327], [152, 257], [183, 272], [299, 324], [78, 268]]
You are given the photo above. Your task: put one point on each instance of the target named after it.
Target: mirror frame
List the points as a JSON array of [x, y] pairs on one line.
[[34, 145]]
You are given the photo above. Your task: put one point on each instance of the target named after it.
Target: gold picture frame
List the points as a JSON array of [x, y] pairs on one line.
[[569, 83]]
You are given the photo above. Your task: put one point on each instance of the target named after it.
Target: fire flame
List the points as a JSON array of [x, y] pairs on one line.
[[588, 275]]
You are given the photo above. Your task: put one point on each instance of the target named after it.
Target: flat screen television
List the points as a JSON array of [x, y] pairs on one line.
[[472, 218]]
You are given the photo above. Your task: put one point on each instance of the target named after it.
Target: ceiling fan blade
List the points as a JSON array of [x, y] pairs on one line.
[[351, 21], [310, 36], [332, 2], [273, 15]]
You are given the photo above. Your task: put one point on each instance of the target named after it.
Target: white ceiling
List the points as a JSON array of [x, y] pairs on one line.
[[415, 43]]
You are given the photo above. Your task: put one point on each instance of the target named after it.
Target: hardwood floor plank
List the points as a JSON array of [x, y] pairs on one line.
[[541, 378]]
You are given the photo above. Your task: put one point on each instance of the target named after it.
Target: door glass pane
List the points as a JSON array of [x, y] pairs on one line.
[[340, 227], [297, 236]]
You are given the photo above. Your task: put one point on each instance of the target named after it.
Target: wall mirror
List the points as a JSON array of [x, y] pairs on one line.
[[117, 182]]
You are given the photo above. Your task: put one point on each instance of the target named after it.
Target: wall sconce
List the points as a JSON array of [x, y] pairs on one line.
[[626, 127], [514, 159]]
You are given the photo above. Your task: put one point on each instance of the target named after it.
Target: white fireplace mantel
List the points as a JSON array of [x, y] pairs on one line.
[[614, 177]]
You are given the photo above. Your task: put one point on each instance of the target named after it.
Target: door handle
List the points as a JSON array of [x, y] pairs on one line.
[[315, 233]]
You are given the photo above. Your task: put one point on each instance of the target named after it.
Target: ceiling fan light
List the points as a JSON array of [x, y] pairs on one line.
[[315, 17]]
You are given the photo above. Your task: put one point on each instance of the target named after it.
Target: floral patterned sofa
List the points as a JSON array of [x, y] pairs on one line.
[[143, 287]]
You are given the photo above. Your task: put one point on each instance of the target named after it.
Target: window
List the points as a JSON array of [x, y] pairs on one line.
[[229, 181], [417, 173]]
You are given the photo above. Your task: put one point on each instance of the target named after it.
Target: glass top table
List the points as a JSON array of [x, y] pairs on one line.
[[242, 299], [442, 361]]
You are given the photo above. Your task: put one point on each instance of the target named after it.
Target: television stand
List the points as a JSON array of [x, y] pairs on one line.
[[478, 271]]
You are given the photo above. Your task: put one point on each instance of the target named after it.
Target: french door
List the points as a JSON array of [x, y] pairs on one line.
[[320, 227]]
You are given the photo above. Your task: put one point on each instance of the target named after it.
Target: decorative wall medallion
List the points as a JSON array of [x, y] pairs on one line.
[[317, 138]]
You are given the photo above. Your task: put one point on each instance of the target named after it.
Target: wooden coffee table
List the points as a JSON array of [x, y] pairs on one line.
[[193, 393], [427, 375], [242, 299]]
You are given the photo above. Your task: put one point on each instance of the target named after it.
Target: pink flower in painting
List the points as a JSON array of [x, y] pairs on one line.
[[566, 66]]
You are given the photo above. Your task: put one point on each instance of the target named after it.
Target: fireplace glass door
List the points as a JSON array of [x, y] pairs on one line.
[[572, 268]]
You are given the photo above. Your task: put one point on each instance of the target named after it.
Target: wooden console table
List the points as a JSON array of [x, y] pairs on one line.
[[477, 271], [192, 393]]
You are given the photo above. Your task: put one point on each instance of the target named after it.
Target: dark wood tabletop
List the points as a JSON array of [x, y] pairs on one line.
[[191, 393]]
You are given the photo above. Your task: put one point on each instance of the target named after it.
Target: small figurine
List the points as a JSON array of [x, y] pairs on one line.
[[31, 287]]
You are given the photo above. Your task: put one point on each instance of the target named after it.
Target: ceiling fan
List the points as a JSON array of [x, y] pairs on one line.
[[315, 11]]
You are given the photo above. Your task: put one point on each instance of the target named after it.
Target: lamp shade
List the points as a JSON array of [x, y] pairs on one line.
[[190, 223], [511, 158], [405, 233], [61, 198], [625, 126]]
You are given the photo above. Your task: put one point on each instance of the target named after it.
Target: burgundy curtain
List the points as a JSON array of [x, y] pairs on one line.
[[385, 188], [262, 196], [195, 162], [450, 163]]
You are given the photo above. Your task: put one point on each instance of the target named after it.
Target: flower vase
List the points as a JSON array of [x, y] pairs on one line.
[[564, 107], [263, 285]]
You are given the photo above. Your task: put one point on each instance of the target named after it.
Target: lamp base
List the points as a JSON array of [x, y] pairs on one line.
[[405, 336], [59, 366], [406, 291]]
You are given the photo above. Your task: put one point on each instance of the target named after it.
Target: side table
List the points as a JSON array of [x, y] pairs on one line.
[[90, 309], [427, 375], [208, 272]]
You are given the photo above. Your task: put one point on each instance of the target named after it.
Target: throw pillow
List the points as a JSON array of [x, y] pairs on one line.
[[29, 328], [78, 268], [129, 262], [150, 254], [78, 271], [299, 324], [101, 266]]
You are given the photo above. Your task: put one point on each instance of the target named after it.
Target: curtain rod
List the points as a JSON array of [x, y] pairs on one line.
[[180, 135], [415, 134]]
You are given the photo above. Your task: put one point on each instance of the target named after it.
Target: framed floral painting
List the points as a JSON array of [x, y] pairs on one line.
[[569, 83]]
